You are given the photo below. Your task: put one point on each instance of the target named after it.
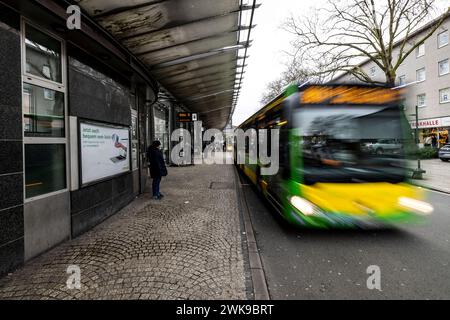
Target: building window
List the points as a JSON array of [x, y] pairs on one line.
[[420, 50], [443, 67], [402, 80], [45, 168], [403, 104], [443, 39], [373, 71], [421, 100], [162, 129], [444, 95], [43, 112], [42, 55], [420, 75], [44, 115]]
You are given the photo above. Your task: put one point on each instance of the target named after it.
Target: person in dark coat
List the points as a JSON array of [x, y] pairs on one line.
[[434, 141], [157, 167]]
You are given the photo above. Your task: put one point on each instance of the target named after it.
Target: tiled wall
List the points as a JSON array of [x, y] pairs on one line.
[[94, 96], [11, 161], [93, 204]]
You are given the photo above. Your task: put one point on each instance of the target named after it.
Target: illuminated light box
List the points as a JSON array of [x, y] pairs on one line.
[[104, 151]]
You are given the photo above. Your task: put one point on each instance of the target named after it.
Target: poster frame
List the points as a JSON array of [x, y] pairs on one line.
[[80, 163]]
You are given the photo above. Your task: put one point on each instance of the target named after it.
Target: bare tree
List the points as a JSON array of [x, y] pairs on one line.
[[294, 72], [337, 38], [273, 89]]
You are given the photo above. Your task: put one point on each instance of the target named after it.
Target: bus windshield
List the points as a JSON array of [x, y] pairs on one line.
[[350, 143]]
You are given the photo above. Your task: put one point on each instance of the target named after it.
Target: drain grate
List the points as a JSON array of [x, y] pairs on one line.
[[221, 185]]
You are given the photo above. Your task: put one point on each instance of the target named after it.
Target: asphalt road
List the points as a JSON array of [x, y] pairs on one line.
[[414, 261]]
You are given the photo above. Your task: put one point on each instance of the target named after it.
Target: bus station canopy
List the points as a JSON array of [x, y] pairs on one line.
[[190, 46]]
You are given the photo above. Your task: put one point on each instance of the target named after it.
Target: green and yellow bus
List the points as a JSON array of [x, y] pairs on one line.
[[342, 161]]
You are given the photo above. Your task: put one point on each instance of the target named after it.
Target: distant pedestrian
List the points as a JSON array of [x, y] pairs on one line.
[[434, 141], [213, 142], [157, 168], [427, 141]]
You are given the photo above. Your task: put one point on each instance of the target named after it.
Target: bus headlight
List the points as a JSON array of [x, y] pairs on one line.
[[304, 206], [418, 206]]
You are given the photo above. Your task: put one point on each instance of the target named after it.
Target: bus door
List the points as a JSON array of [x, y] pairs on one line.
[[274, 183]]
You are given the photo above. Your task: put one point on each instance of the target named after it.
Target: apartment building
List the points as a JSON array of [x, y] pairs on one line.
[[426, 76]]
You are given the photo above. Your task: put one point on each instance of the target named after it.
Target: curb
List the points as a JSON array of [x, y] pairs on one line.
[[260, 289], [431, 188]]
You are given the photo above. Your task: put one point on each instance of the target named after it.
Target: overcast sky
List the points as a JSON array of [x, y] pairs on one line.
[[266, 53]]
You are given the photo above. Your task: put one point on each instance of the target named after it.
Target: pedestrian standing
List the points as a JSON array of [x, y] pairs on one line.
[[434, 141], [157, 168]]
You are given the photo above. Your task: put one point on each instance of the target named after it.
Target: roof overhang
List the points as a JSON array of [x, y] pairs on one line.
[[190, 46]]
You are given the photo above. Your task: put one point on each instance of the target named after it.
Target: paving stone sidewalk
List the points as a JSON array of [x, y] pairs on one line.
[[187, 246], [437, 176]]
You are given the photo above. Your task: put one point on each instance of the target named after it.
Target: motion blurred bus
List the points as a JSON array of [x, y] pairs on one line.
[[342, 157]]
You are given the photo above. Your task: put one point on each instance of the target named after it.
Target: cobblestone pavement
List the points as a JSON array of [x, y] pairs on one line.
[[187, 246], [437, 175]]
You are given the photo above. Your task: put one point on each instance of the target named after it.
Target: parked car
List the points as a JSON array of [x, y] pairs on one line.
[[385, 146], [444, 152]]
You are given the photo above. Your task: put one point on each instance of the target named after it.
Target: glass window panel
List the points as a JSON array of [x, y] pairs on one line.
[[161, 130], [443, 39], [420, 74], [134, 155], [444, 95], [45, 168], [43, 112], [134, 138], [403, 105], [421, 100], [443, 67], [134, 134], [420, 50], [350, 144], [43, 55]]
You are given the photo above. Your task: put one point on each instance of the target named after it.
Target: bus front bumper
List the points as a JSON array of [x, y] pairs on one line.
[[331, 220]]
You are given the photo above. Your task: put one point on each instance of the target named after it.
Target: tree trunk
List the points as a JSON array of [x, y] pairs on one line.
[[390, 78]]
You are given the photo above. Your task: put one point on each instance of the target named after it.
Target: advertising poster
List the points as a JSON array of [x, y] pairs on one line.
[[104, 151]]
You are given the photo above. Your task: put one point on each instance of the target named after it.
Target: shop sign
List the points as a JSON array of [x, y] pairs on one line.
[[431, 123]]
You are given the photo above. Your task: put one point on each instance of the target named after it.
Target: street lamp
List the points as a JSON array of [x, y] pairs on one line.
[[418, 172]]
